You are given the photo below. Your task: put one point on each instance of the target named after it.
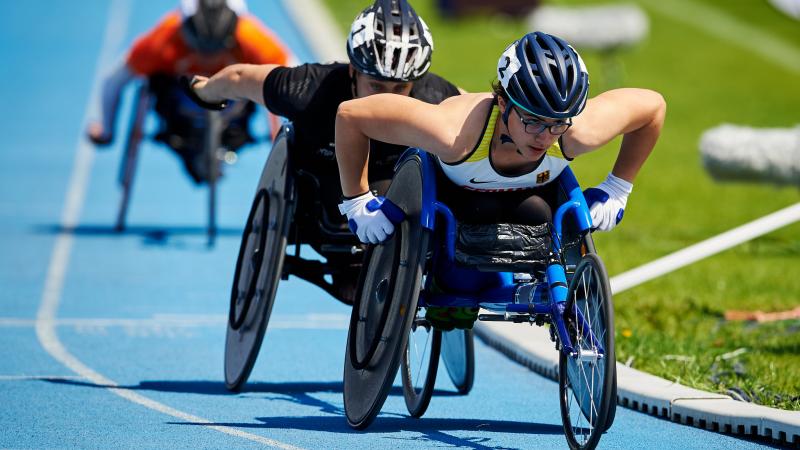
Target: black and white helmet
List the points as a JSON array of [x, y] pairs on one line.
[[389, 41], [210, 25]]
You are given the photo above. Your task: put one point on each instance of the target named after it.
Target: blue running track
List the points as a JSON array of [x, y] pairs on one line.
[[116, 340]]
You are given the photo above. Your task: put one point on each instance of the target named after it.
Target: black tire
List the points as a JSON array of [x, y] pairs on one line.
[[458, 355], [586, 385], [386, 303], [420, 364], [258, 267], [573, 257]]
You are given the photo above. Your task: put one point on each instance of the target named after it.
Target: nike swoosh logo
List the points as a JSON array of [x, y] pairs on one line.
[[474, 181]]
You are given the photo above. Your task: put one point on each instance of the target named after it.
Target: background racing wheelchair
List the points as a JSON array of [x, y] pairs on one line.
[[290, 207], [203, 138], [567, 289]]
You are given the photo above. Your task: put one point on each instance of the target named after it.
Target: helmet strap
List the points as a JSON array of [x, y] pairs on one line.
[[353, 83], [507, 112]]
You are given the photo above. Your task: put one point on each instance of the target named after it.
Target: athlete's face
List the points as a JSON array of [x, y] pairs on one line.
[[532, 135], [366, 85]]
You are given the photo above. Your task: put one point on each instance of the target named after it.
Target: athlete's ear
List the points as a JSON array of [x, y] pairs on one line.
[[501, 103]]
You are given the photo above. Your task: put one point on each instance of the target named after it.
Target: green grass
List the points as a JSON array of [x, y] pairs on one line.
[[706, 81]]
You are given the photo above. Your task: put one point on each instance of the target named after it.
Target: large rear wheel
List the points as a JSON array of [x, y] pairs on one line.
[[258, 267], [386, 303]]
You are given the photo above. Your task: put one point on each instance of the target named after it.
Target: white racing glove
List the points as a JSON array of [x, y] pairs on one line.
[[369, 217], [607, 202]]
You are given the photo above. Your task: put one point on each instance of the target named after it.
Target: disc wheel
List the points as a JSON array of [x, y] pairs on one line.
[[586, 377], [420, 364], [258, 268], [386, 303], [458, 355]]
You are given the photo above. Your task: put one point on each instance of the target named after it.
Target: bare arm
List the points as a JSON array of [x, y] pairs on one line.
[[236, 82], [400, 120], [102, 132], [637, 114]]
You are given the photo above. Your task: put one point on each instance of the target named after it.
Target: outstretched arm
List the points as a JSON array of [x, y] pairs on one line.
[[102, 132], [636, 114], [236, 82], [394, 119]]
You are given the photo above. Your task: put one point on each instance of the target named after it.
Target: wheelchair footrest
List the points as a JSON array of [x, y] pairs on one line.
[[515, 318]]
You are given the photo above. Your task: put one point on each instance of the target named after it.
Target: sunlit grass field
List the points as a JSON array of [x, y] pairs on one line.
[[673, 326]]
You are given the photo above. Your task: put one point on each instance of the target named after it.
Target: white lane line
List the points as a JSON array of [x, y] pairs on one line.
[[724, 26], [705, 248], [318, 28], [51, 296], [39, 377], [288, 322]]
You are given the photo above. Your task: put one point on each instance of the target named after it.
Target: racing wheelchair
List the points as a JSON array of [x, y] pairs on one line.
[[566, 288], [288, 209], [199, 136]]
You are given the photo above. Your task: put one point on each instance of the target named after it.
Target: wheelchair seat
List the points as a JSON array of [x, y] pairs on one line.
[[503, 247]]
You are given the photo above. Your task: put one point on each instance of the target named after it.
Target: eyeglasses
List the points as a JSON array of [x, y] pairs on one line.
[[536, 126]]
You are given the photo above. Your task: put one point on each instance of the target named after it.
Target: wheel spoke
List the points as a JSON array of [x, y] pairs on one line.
[[586, 375]]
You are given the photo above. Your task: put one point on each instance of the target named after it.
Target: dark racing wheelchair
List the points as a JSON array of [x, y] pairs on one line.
[[203, 138], [566, 288], [289, 209]]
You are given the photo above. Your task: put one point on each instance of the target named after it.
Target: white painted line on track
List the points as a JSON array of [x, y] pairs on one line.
[[278, 321], [704, 249], [39, 377], [318, 28], [711, 20], [116, 27]]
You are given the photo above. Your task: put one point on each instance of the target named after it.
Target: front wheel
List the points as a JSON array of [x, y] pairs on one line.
[[586, 376], [420, 364], [458, 354]]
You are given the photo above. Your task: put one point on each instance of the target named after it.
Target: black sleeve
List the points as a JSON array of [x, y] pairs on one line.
[[288, 90], [432, 88]]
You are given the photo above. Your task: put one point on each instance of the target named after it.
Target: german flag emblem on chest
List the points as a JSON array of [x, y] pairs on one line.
[[543, 177]]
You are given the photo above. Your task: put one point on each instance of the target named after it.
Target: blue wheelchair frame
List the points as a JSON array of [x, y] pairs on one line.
[[536, 299]]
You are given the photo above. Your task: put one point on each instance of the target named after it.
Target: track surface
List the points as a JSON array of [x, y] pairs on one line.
[[141, 315]]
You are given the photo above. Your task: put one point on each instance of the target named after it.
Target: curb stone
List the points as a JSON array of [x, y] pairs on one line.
[[531, 347]]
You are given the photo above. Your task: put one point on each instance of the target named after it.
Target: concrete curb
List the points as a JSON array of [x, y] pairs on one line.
[[531, 347]]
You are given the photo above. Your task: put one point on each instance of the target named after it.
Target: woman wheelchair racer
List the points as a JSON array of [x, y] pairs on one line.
[[500, 151]]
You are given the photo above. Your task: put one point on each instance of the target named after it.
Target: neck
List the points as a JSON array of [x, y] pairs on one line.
[[501, 134]]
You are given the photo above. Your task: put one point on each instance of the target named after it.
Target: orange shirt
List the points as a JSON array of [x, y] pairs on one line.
[[163, 49]]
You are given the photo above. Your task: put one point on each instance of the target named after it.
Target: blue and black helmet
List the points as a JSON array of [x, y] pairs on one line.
[[544, 75]]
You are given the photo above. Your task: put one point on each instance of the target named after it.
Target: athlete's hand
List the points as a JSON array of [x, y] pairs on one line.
[[98, 135], [607, 202], [370, 218], [199, 91], [198, 84]]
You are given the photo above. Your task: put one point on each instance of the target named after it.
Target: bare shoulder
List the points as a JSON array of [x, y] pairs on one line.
[[610, 114], [467, 101]]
